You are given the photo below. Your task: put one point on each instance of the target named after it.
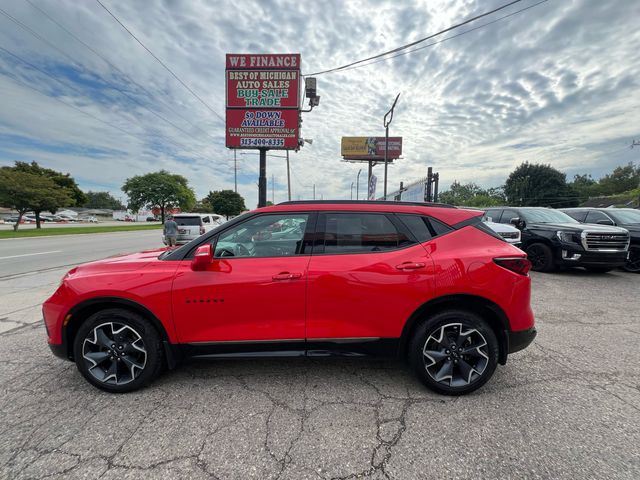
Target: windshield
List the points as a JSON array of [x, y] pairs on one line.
[[188, 221], [625, 216], [545, 215]]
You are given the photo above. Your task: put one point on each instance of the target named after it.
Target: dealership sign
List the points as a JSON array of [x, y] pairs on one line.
[[262, 100], [370, 148]]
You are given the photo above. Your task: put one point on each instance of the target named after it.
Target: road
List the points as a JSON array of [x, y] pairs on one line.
[[24, 255], [567, 407]]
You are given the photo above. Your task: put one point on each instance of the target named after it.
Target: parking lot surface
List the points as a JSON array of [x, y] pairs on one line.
[[567, 407]]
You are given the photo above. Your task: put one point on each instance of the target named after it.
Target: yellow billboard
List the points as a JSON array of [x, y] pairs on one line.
[[370, 147]]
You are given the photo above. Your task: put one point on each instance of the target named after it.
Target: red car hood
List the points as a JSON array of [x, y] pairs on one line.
[[120, 263]]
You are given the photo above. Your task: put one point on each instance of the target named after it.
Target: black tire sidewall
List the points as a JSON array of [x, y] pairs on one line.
[[429, 325], [548, 255], [150, 338]]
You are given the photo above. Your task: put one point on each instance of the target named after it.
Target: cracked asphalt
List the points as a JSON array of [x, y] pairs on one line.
[[567, 407]]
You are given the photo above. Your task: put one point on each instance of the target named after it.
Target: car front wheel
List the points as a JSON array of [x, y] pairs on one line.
[[454, 352], [541, 257], [118, 351], [633, 264]]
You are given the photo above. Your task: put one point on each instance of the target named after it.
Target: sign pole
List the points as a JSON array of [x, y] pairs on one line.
[[235, 171], [288, 178], [262, 179], [369, 177]]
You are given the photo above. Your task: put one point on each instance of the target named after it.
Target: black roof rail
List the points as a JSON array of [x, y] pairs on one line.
[[366, 202]]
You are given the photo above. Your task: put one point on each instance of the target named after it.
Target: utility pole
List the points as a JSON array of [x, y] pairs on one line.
[[386, 141], [262, 179], [273, 189], [288, 178], [235, 170], [351, 190], [358, 185], [314, 191]]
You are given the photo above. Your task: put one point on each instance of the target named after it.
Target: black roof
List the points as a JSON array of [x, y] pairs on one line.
[[366, 202]]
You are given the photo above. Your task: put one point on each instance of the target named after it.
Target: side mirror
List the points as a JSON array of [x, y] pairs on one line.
[[605, 221], [202, 258], [516, 222]]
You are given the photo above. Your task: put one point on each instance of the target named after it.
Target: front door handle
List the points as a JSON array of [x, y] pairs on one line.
[[287, 276], [410, 266]]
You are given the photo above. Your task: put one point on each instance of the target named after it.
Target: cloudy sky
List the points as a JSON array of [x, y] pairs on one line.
[[557, 83]]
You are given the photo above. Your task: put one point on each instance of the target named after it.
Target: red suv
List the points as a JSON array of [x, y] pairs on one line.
[[429, 283]]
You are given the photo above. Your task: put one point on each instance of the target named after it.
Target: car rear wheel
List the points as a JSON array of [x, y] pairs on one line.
[[118, 351], [454, 352], [541, 257], [633, 264]]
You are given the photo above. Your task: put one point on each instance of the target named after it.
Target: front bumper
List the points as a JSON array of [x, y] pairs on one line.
[[521, 339], [569, 256]]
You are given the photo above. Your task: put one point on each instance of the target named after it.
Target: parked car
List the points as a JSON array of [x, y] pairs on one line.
[[508, 232], [627, 218], [433, 285], [88, 218], [192, 225], [553, 239], [152, 219]]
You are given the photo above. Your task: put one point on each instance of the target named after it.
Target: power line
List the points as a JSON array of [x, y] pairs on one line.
[[133, 99], [178, 145], [162, 63], [448, 38], [408, 45], [108, 62]]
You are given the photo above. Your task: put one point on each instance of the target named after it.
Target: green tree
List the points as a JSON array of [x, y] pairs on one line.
[[102, 200], [471, 195], [622, 179], [160, 190], [64, 180], [202, 206], [226, 202], [538, 185], [584, 186], [24, 191]]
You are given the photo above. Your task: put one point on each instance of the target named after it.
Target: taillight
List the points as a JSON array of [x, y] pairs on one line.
[[201, 230], [518, 265]]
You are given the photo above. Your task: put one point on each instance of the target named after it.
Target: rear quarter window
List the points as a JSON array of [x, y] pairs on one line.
[[188, 221]]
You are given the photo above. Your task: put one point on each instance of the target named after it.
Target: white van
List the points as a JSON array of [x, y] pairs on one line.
[[192, 225]]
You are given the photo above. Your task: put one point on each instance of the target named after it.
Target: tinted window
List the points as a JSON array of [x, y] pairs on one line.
[[625, 216], [360, 232], [187, 221], [507, 215], [438, 227], [264, 236], [206, 219], [594, 217], [578, 215], [492, 216], [545, 215], [418, 226]]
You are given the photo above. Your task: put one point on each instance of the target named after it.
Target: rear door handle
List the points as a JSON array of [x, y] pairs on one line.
[[287, 276], [410, 266]]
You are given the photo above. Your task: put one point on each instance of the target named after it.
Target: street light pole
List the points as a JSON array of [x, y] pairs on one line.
[[351, 190], [386, 141], [358, 185]]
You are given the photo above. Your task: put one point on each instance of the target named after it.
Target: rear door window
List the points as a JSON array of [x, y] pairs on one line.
[[359, 233], [188, 221]]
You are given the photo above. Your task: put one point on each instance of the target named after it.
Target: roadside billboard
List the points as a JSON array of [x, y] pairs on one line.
[[370, 148], [262, 101]]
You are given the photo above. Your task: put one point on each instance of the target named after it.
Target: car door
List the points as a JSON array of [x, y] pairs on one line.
[[367, 274], [254, 288]]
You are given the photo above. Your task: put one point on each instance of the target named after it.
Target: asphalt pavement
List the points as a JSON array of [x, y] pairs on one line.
[[567, 407], [32, 254]]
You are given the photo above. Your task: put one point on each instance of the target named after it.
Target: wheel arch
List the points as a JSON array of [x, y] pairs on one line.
[[80, 312], [488, 310]]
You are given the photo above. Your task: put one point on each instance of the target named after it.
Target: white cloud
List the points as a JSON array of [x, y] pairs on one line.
[[556, 84]]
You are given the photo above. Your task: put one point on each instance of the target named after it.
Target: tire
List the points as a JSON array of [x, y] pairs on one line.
[[118, 351], [541, 257], [633, 264], [449, 372], [598, 269]]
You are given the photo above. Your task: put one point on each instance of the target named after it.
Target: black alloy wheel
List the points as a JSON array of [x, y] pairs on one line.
[[454, 352], [633, 263], [541, 257], [118, 351]]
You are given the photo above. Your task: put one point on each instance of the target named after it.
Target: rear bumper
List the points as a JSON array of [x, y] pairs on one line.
[[521, 339]]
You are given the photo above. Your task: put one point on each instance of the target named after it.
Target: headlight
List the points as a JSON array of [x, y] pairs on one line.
[[568, 237]]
